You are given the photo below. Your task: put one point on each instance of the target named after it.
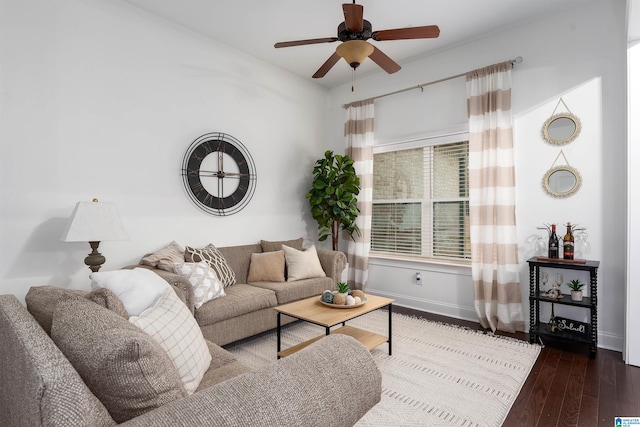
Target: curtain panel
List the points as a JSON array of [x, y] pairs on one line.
[[494, 247], [358, 131]]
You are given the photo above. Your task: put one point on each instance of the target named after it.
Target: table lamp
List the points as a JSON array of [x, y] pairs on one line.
[[94, 222]]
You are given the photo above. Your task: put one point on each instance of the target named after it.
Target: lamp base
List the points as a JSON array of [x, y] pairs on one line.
[[95, 259]]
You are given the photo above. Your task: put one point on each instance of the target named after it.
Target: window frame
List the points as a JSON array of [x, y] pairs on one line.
[[436, 138]]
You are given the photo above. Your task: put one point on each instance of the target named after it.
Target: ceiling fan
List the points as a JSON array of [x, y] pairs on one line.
[[354, 32]]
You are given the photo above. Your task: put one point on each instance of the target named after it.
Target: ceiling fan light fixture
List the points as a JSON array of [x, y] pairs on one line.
[[354, 52]]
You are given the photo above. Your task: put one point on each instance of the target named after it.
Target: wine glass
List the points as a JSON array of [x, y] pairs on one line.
[[545, 279], [540, 245], [559, 279]]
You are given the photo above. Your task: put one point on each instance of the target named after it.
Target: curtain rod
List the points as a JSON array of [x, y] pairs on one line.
[[421, 86]]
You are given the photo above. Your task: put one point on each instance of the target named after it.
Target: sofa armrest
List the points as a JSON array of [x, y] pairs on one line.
[[333, 382], [333, 263], [180, 285]]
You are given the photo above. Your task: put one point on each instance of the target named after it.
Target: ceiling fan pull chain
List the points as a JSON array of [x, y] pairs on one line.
[[353, 78]]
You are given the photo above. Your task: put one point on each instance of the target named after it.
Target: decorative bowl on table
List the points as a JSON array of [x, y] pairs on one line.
[[336, 299]]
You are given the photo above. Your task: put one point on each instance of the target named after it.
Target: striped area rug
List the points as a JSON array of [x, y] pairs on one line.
[[438, 375]]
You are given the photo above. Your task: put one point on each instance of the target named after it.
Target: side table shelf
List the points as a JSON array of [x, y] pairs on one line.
[[538, 329]]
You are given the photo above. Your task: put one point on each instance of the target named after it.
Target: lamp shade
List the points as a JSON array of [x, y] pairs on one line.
[[354, 52], [94, 222]]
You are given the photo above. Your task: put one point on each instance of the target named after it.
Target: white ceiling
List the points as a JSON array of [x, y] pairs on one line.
[[253, 26]]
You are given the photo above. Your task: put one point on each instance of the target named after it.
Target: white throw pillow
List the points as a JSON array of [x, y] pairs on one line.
[[171, 324], [138, 289], [206, 285], [302, 264]]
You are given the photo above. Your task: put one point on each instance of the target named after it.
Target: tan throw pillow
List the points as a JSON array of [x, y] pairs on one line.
[[206, 285], [166, 257], [302, 264], [42, 301], [212, 256], [266, 267], [171, 324], [268, 246], [122, 366]]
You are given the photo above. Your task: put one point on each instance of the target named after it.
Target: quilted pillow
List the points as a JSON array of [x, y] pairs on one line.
[[206, 285], [138, 289], [266, 267], [171, 324], [302, 264], [122, 366], [166, 257], [212, 256]]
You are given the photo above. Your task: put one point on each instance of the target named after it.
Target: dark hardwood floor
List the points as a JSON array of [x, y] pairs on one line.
[[566, 387]]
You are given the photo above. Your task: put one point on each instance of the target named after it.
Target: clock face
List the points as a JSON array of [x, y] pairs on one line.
[[219, 174]]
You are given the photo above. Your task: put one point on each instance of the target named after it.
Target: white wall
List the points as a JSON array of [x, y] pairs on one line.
[[99, 99], [578, 55]]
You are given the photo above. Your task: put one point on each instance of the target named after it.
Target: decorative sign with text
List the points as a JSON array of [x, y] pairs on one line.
[[573, 326]]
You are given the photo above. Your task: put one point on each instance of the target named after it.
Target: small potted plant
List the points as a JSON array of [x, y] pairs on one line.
[[576, 289]]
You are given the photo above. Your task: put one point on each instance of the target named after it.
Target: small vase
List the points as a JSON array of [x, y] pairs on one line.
[[576, 295]]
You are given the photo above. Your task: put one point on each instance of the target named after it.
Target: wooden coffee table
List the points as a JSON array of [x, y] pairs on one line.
[[313, 311]]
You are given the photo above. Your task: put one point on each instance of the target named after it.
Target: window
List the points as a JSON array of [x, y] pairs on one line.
[[421, 199]]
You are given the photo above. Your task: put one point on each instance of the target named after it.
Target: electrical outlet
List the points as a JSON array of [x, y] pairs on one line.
[[418, 279]]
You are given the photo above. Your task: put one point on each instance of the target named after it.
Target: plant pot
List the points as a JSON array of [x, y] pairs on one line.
[[576, 295]]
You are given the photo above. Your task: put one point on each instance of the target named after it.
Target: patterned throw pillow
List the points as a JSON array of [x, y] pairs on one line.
[[206, 285], [212, 256], [302, 264], [166, 257], [171, 324]]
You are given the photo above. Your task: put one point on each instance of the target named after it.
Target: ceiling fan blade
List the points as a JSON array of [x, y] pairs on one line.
[[353, 16], [324, 69], [308, 41], [426, 32], [386, 63]]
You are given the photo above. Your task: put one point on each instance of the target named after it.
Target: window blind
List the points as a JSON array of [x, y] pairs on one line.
[[421, 201]]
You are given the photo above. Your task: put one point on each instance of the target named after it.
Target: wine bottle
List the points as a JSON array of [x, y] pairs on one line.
[[568, 242], [553, 243]]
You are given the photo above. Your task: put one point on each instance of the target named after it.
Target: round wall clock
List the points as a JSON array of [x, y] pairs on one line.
[[219, 174]]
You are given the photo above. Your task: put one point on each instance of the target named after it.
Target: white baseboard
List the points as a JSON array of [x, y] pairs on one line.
[[431, 306], [605, 340]]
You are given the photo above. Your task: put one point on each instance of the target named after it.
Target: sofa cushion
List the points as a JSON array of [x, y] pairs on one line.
[[42, 301], [165, 258], [138, 289], [266, 267], [287, 292], [268, 246], [302, 264], [241, 299], [123, 366], [215, 259], [223, 366], [239, 258], [170, 323], [205, 283]]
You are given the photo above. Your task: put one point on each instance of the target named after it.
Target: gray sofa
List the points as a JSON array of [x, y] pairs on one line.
[[247, 308], [320, 386]]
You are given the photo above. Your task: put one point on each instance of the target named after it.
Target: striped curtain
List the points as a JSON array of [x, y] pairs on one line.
[[494, 247], [358, 131]]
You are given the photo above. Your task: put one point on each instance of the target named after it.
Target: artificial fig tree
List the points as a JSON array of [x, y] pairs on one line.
[[333, 197]]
